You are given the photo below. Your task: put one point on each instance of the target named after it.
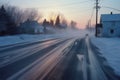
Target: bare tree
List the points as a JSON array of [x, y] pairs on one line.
[[15, 13], [51, 23], [73, 24], [32, 14], [64, 23], [19, 15]]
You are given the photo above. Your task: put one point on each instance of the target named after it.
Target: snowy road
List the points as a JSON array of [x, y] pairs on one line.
[[13, 53], [54, 59], [17, 59]]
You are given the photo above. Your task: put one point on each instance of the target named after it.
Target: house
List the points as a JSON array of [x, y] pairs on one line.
[[110, 25], [31, 27]]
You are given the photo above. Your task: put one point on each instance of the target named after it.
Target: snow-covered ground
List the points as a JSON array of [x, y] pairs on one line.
[[8, 40], [110, 49]]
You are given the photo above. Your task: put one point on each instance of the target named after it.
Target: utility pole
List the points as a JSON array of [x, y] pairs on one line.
[[97, 7]]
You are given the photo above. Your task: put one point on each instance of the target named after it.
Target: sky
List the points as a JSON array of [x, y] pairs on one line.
[[78, 10]]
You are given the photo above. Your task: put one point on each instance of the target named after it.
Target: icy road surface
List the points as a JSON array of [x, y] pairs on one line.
[[59, 58]]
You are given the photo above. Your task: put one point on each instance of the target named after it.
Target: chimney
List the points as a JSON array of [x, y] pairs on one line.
[[111, 13]]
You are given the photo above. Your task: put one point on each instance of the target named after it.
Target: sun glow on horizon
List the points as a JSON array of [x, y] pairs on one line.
[[72, 9]]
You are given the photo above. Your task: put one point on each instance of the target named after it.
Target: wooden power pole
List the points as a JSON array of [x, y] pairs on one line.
[[97, 7]]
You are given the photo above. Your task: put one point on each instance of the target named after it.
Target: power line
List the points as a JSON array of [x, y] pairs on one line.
[[65, 5], [76, 3], [111, 8], [92, 14], [89, 21]]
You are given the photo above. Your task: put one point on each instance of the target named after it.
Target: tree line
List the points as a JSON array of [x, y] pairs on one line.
[[15, 16]]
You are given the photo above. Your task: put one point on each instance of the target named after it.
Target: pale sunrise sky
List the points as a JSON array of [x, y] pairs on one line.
[[77, 10]]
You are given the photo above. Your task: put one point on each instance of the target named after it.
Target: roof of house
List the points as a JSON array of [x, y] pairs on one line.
[[30, 24], [110, 17]]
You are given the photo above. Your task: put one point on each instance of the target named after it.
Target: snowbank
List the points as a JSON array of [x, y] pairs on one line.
[[8, 40], [110, 49]]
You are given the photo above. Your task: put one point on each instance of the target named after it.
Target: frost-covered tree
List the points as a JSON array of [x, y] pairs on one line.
[[20, 15]]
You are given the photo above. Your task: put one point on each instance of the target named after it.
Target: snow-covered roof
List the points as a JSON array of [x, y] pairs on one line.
[[110, 17], [30, 24]]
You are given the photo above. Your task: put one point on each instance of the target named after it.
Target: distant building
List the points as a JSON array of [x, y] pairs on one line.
[[110, 25], [31, 27]]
